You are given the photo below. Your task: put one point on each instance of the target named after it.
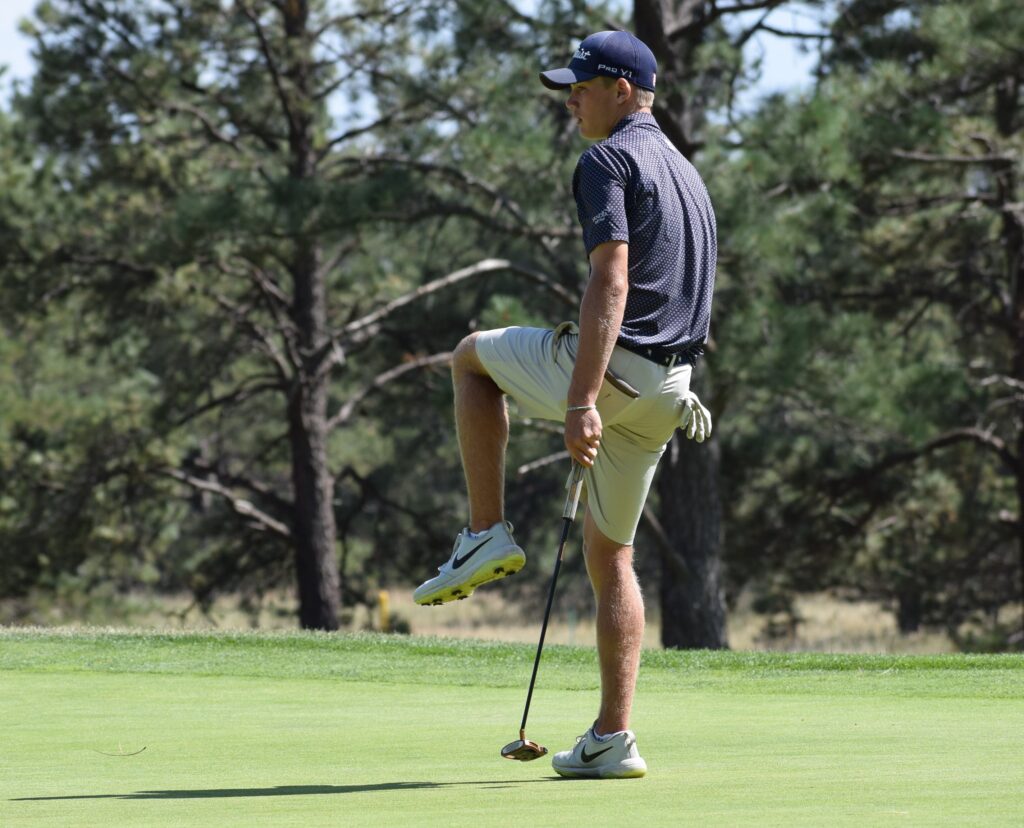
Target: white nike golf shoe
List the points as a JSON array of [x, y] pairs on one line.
[[616, 757], [475, 560]]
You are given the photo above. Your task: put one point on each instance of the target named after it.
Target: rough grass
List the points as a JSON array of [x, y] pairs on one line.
[[827, 623]]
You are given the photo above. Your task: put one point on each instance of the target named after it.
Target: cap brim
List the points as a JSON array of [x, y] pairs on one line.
[[564, 78]]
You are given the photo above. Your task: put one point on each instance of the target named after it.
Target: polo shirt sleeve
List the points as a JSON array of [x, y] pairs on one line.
[[599, 185]]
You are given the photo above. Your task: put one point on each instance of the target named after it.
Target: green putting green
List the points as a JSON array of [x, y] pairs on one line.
[[312, 729]]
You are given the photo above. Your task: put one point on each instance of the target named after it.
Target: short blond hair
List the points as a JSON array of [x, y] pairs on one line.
[[644, 97]]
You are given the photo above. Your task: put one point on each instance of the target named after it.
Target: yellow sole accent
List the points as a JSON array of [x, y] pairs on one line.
[[492, 571]]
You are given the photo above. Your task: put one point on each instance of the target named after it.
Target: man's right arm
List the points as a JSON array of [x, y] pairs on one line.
[[604, 303]]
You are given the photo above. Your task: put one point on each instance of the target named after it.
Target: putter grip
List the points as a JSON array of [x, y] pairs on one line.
[[575, 485]]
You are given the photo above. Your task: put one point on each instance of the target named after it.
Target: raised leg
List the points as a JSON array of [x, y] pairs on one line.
[[481, 417]]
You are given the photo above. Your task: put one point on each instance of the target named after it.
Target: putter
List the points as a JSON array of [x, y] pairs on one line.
[[523, 749]]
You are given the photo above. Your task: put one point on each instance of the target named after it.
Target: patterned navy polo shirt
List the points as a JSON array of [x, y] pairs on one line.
[[635, 186]]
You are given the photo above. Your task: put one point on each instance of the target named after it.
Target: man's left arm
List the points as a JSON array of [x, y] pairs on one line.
[[604, 303]]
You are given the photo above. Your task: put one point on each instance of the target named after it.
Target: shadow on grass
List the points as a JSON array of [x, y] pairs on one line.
[[291, 790]]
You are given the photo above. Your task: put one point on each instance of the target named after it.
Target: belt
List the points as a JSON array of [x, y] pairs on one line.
[[661, 356]]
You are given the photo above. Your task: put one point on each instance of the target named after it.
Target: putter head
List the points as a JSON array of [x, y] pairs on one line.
[[523, 750]]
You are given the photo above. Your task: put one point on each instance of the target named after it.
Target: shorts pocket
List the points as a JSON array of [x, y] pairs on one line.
[[612, 404]]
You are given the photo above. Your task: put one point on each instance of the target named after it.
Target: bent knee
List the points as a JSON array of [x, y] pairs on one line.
[[598, 545], [465, 357]]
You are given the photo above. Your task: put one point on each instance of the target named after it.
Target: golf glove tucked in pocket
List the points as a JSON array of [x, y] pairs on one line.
[[694, 419], [560, 330]]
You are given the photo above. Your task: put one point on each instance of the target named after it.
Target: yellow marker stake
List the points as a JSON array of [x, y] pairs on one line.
[[385, 615]]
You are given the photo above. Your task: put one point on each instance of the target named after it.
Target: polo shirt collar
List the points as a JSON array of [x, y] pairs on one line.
[[634, 118]]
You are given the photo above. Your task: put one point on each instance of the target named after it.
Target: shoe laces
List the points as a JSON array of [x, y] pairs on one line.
[[455, 548]]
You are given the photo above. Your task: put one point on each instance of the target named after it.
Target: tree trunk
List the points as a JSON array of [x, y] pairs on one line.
[[674, 29], [909, 610], [1020, 525], [692, 603], [316, 564], [1007, 112]]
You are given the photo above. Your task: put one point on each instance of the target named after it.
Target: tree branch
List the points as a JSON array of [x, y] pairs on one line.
[[361, 328], [427, 91], [984, 439], [403, 116], [800, 35], [913, 205], [243, 392], [268, 58], [745, 36], [995, 379], [269, 140], [929, 158], [676, 562], [256, 331], [180, 108], [346, 411], [456, 174], [715, 12], [268, 286], [541, 462], [241, 507], [383, 18], [262, 490]]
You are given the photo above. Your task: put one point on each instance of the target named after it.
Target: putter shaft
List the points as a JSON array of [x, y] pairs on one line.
[[574, 485]]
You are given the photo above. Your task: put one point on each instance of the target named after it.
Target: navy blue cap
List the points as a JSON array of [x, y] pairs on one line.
[[612, 54]]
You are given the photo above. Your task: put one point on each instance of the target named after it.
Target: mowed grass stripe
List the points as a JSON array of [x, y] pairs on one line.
[[388, 659]]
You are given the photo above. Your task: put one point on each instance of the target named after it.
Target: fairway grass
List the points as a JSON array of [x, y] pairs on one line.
[[314, 729]]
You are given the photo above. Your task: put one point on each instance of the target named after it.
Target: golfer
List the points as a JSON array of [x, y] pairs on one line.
[[619, 380]]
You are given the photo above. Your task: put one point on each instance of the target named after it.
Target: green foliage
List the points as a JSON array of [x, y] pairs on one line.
[[156, 135], [866, 339], [867, 280]]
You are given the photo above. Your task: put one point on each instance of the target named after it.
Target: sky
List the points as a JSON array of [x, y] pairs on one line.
[[14, 46], [784, 66]]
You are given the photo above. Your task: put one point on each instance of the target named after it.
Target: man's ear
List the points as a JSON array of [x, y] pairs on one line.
[[623, 91]]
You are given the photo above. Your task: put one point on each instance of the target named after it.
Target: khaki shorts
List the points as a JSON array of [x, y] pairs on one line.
[[534, 367]]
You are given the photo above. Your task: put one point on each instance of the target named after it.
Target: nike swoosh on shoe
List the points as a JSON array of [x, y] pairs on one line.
[[590, 757], [460, 561]]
